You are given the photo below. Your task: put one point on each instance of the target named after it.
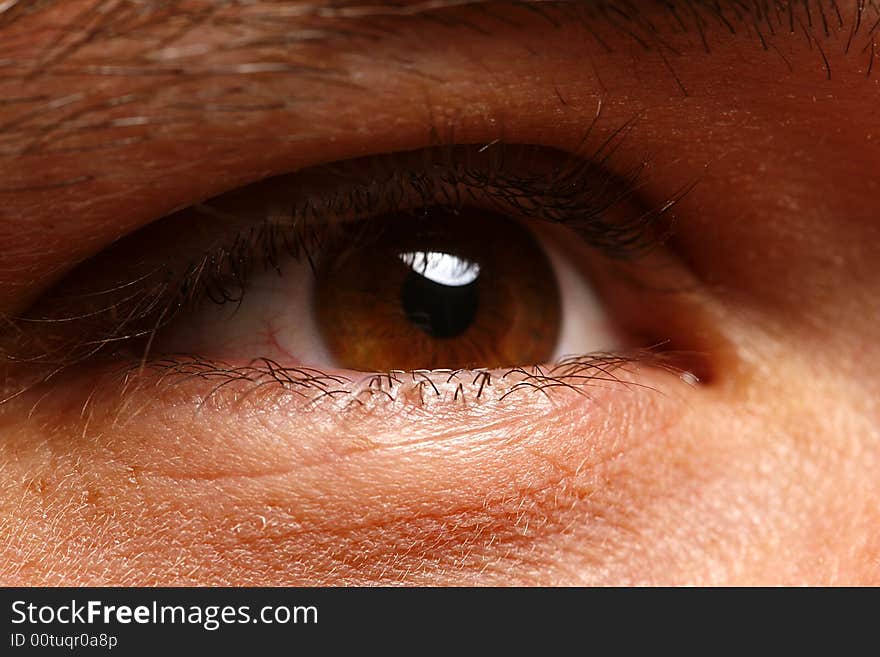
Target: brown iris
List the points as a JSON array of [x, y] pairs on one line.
[[472, 289]]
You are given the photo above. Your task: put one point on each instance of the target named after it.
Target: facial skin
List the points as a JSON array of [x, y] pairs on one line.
[[115, 114]]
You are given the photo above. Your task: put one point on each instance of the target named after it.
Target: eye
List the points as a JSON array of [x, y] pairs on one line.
[[446, 258], [442, 289]]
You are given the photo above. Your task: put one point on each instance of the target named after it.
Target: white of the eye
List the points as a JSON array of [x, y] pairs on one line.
[[585, 323], [442, 268]]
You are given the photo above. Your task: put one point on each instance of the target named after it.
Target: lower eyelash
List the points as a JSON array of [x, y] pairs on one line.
[[419, 388]]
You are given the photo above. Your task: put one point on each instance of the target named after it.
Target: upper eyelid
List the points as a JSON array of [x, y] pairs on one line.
[[530, 180], [40, 111]]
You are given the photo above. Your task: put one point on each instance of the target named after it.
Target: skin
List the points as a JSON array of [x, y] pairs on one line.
[[766, 473]]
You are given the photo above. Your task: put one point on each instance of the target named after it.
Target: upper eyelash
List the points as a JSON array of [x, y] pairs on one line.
[[578, 195]]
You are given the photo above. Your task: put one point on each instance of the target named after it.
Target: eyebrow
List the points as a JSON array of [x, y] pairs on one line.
[[55, 55], [160, 24], [43, 41]]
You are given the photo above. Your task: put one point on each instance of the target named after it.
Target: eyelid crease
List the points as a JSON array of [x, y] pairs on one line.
[[580, 198], [575, 190]]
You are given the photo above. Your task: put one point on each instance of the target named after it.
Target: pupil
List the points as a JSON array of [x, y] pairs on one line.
[[439, 294]]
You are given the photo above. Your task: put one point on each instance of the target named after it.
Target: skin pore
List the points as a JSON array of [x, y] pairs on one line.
[[114, 114]]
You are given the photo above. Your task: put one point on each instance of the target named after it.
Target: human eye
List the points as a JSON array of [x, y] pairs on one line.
[[567, 292], [463, 268]]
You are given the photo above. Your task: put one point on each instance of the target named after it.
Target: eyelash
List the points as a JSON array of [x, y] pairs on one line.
[[578, 197], [419, 387], [579, 194]]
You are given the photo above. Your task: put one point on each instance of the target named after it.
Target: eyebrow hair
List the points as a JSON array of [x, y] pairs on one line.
[[51, 50], [106, 20]]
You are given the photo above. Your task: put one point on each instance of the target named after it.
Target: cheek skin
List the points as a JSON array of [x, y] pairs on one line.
[[625, 485]]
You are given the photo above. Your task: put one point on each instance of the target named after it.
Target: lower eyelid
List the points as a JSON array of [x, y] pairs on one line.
[[463, 396]]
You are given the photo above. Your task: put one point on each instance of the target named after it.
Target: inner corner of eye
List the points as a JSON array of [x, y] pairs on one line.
[[455, 289]]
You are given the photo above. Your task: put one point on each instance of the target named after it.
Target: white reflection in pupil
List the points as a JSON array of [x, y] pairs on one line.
[[442, 268], [439, 294]]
